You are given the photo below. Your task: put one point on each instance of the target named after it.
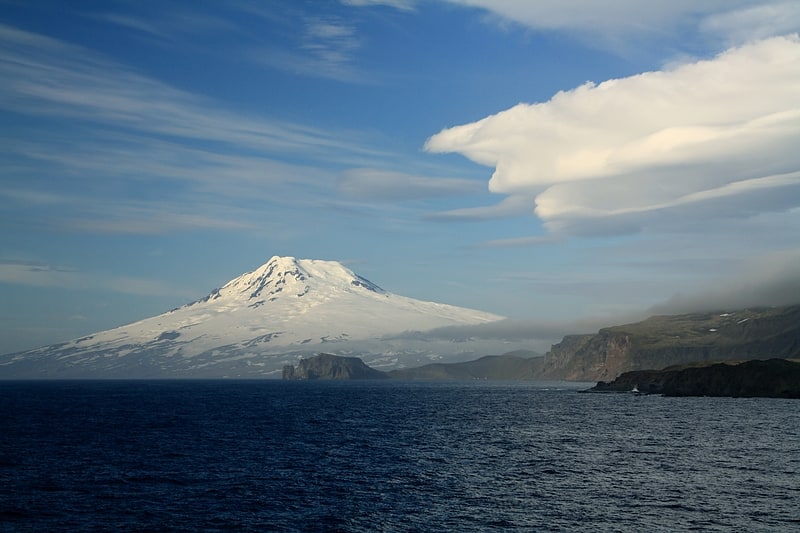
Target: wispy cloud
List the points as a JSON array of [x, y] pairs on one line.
[[515, 242], [759, 20], [135, 23], [325, 47], [403, 5], [45, 275], [708, 139], [511, 206], [109, 123], [317, 46], [53, 78], [332, 41], [385, 185], [170, 23], [619, 23], [618, 15], [129, 101], [149, 218]]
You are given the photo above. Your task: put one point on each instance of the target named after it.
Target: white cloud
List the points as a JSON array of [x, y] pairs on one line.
[[376, 184], [701, 138]]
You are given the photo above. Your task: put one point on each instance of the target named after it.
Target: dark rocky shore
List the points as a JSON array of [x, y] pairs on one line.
[[772, 378]]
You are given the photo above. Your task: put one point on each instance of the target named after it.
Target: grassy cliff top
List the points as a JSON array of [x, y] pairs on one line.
[[710, 328]]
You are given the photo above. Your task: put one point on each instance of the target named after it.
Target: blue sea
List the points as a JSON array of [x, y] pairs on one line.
[[390, 456]]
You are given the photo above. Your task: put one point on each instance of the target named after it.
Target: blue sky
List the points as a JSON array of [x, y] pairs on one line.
[[568, 164]]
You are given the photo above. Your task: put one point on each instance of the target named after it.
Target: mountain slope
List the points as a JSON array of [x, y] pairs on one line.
[[515, 366], [663, 341], [253, 326]]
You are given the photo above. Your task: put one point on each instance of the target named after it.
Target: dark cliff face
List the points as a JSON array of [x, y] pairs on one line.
[[331, 367], [773, 378], [603, 355], [662, 341]]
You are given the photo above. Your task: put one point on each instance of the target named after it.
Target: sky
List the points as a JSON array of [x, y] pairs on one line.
[[567, 164]]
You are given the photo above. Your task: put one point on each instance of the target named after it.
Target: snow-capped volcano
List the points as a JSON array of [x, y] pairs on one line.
[[256, 323]]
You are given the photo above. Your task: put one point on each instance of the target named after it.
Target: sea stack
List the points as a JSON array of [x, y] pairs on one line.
[[327, 366]]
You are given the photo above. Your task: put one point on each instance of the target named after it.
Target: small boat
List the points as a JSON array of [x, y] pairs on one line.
[[635, 390]]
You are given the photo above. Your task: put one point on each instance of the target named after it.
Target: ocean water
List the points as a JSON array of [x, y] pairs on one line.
[[389, 456]]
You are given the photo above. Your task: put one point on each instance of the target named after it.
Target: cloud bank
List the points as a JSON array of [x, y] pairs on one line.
[[537, 335], [713, 138], [771, 280]]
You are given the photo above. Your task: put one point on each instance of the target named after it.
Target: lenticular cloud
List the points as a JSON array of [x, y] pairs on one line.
[[703, 138]]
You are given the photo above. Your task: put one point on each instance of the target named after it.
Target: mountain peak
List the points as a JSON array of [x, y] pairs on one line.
[[288, 277], [256, 324]]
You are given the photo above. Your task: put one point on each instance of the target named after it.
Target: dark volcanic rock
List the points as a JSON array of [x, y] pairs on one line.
[[327, 366], [772, 378], [644, 381]]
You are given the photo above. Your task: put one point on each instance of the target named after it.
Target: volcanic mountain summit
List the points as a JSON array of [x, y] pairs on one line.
[[253, 325]]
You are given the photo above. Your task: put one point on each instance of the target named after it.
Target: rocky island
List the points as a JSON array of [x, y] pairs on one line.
[[326, 366]]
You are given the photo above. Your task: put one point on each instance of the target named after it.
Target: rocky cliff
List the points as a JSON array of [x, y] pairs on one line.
[[327, 366], [663, 341], [773, 378]]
